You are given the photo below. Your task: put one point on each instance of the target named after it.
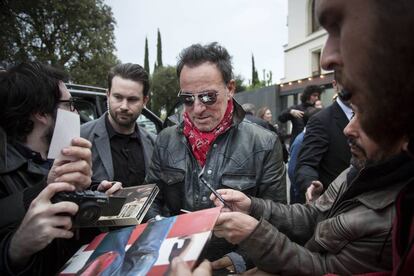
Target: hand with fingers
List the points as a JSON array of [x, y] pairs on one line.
[[234, 226], [44, 219], [223, 263], [296, 113], [180, 268], [77, 172], [238, 201], [314, 191], [109, 187]]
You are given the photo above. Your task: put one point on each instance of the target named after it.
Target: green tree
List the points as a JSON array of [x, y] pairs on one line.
[[164, 89], [75, 35], [239, 83], [159, 50], [255, 76], [146, 58]]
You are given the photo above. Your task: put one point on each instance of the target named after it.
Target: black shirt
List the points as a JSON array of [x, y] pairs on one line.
[[127, 156]]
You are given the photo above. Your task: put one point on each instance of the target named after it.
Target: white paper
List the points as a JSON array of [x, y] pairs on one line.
[[67, 127]]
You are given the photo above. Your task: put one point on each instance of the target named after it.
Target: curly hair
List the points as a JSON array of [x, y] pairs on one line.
[[26, 89]]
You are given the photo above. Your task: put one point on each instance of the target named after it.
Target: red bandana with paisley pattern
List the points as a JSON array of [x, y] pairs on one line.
[[201, 141]]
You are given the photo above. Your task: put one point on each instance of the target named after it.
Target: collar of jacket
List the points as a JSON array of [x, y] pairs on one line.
[[11, 159], [238, 116], [377, 186]]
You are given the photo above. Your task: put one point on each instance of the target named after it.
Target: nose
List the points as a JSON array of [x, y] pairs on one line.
[[124, 104], [198, 107], [331, 54], [351, 128]]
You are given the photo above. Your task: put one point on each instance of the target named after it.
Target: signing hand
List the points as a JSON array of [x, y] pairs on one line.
[[296, 113], [42, 223], [109, 187], [234, 226], [314, 191], [181, 268], [238, 201], [77, 172]]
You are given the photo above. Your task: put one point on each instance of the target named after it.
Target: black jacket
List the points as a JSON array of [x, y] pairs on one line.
[[247, 158], [297, 123], [325, 151], [21, 180]]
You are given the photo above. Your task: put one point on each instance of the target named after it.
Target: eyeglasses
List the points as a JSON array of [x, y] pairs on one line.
[[207, 97], [71, 103]]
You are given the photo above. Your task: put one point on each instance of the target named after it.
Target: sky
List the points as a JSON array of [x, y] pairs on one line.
[[243, 27]]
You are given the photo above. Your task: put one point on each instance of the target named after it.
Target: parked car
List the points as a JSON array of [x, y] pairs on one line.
[[91, 104]]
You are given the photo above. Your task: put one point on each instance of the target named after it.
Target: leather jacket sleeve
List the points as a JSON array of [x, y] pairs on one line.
[[153, 177], [273, 183]]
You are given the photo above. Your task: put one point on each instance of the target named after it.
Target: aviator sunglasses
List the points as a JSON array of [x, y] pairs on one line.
[[207, 97]]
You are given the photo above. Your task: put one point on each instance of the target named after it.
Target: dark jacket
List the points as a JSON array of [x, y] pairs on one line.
[[247, 158], [102, 167], [346, 231], [21, 180], [250, 117], [325, 152], [297, 123]]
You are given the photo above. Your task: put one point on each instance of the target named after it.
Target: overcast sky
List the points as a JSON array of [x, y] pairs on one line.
[[242, 26]]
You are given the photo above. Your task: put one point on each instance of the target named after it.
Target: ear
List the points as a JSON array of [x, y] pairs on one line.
[[145, 100], [108, 93], [41, 118], [231, 86]]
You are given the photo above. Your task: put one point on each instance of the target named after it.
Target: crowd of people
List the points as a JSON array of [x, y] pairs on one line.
[[351, 164]]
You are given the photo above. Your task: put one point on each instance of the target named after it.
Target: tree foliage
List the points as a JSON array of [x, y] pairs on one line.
[[146, 57], [159, 49], [255, 76], [240, 87], [75, 35], [164, 89]]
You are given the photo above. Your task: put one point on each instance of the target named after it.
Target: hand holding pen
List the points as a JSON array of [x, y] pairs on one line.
[[237, 201]]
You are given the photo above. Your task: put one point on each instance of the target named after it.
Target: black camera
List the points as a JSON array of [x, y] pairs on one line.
[[92, 205]]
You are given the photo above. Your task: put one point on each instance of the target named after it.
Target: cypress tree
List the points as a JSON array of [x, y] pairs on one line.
[[159, 49], [255, 76], [146, 60]]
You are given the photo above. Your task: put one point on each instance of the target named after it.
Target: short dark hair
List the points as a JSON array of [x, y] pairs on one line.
[[309, 90], [197, 54], [26, 89], [130, 71]]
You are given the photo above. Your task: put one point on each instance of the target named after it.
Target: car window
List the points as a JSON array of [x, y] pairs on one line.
[[146, 123]]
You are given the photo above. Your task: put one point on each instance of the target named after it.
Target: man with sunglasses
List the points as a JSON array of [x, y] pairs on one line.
[[214, 147], [32, 229]]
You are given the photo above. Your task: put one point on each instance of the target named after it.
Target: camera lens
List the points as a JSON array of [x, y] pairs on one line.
[[89, 213]]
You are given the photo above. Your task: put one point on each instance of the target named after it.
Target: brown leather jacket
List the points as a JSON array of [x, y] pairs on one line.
[[343, 232]]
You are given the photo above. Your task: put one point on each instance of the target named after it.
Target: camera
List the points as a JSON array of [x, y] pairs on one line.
[[92, 205]]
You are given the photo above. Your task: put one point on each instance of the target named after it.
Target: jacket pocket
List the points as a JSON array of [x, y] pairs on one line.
[[172, 176], [332, 235], [240, 182]]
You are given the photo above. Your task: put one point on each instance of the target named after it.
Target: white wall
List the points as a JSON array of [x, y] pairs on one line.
[[301, 43]]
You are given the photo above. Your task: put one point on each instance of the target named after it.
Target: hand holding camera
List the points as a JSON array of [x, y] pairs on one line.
[[45, 220]]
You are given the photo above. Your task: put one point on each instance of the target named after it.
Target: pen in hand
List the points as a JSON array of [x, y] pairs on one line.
[[216, 194]]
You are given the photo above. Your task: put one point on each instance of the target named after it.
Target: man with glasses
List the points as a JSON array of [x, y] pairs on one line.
[[213, 145], [32, 229], [121, 149]]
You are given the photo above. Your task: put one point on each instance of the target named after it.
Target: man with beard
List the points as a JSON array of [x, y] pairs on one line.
[[370, 46], [121, 150], [32, 229], [345, 231]]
